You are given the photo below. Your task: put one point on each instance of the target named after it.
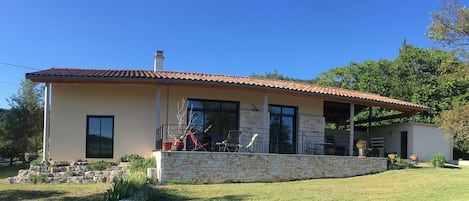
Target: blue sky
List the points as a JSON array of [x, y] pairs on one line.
[[298, 38]]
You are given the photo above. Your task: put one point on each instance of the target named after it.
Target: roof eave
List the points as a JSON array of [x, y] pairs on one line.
[[337, 98]]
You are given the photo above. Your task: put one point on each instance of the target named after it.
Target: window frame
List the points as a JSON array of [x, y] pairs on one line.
[[205, 109], [282, 114], [87, 155]]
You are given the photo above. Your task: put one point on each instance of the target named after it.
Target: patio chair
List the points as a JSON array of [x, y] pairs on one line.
[[232, 141], [197, 145], [248, 147]]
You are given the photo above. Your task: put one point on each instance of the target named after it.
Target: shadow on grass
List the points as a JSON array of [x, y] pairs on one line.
[[28, 194], [172, 195], [97, 196]]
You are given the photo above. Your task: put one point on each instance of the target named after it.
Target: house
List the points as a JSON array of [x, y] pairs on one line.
[[104, 114]]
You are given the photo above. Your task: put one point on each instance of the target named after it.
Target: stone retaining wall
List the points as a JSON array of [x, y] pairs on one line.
[[74, 173], [222, 167]]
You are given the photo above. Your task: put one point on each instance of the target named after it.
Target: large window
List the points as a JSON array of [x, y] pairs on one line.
[[99, 136], [220, 116], [282, 129]]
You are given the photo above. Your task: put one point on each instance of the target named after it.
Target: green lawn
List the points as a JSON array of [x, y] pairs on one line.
[[409, 184]]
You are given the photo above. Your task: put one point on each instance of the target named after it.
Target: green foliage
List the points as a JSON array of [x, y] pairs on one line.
[[39, 178], [21, 126], [37, 161], [124, 188], [417, 75], [277, 76], [404, 164], [141, 165], [138, 179], [455, 122], [438, 161], [101, 165], [130, 157], [121, 188]]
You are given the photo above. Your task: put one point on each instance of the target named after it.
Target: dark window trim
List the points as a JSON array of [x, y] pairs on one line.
[[295, 122], [237, 111], [86, 133]]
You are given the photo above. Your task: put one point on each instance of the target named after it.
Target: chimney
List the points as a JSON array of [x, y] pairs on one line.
[[158, 61]]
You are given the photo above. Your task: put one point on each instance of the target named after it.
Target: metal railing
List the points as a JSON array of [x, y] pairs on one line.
[[307, 142]]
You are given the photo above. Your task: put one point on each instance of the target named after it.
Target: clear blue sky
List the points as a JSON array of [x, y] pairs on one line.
[[236, 37]]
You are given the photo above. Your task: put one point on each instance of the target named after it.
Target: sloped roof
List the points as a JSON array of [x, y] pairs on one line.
[[75, 75]]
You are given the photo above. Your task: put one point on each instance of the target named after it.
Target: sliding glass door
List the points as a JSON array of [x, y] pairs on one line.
[[282, 129]]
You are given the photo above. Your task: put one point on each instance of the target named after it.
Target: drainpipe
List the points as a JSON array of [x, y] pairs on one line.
[[265, 113], [352, 128], [45, 143]]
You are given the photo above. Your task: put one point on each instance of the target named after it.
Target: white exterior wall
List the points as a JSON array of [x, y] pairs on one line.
[[425, 140], [429, 141]]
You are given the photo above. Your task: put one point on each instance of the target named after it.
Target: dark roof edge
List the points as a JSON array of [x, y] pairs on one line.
[[337, 98]]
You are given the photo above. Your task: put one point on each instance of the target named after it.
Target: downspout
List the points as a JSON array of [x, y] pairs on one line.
[[352, 128], [46, 131]]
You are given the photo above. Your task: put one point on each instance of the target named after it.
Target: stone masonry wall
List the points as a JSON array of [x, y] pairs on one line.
[[222, 167], [312, 131], [250, 123]]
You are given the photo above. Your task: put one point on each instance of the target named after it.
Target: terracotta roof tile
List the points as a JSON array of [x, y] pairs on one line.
[[98, 74]]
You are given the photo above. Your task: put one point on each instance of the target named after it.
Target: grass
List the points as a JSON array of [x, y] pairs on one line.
[[408, 184]]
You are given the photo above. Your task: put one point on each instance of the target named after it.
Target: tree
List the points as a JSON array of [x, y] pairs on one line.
[[456, 121], [450, 27], [21, 126]]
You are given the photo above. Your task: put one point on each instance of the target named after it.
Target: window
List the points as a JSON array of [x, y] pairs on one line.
[[220, 116], [282, 129], [99, 136]]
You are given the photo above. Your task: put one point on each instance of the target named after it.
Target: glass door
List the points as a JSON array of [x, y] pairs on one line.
[[282, 129]]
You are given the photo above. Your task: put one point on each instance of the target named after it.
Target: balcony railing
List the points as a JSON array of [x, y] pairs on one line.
[[307, 142]]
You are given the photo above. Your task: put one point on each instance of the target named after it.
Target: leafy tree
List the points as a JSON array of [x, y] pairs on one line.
[[450, 27], [21, 126], [456, 121], [277, 76], [417, 75]]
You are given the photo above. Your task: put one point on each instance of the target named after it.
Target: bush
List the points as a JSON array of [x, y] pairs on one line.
[[403, 164], [438, 161], [141, 165], [40, 178], [130, 158], [121, 188], [124, 188], [101, 165]]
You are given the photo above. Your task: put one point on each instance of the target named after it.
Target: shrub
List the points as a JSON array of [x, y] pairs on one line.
[[438, 161], [130, 158], [101, 165], [36, 161], [121, 188], [124, 188], [40, 178], [138, 179], [403, 164], [141, 165]]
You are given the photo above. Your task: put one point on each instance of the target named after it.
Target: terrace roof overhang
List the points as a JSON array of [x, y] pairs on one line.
[[333, 97]]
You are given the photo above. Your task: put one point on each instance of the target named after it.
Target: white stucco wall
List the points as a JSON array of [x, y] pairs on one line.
[[425, 140], [429, 141]]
